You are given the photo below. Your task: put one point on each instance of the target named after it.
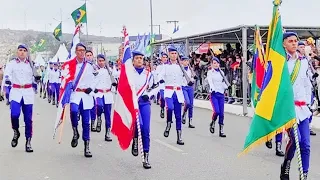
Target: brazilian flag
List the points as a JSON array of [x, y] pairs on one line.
[[275, 109], [57, 32], [80, 15]]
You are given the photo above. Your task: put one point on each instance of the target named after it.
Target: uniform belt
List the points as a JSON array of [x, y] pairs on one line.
[[80, 90], [173, 88], [26, 86], [104, 90], [300, 103]]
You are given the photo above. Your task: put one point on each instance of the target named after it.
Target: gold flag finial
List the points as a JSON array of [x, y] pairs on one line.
[[277, 2]]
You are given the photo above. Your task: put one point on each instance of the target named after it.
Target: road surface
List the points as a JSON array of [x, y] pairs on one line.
[[203, 157]]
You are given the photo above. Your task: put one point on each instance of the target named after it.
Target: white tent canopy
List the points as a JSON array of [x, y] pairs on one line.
[[61, 55], [39, 60]]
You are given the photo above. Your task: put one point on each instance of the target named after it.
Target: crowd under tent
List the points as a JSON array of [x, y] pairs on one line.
[[243, 34]]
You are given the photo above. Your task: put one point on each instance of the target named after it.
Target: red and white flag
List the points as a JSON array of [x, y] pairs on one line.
[[126, 103]]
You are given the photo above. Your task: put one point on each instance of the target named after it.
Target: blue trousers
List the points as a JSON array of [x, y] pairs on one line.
[[217, 102], [188, 93], [8, 89], [161, 98], [144, 117], [279, 138], [49, 91], [304, 141], [93, 111], [55, 91], [106, 109], [174, 105], [16, 108], [85, 114]]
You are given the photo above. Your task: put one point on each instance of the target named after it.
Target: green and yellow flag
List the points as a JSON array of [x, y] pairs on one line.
[[57, 32], [80, 15], [275, 109], [39, 46]]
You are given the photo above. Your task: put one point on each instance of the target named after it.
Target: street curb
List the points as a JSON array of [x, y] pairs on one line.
[[238, 110]]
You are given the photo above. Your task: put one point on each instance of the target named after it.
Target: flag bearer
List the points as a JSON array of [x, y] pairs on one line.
[[93, 111], [164, 61], [143, 81], [104, 96], [55, 83], [298, 67], [279, 152], [217, 89], [49, 86], [172, 77], [81, 99], [188, 93], [20, 75]]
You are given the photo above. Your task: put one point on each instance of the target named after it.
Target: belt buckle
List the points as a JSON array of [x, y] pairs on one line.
[[175, 88], [22, 86]]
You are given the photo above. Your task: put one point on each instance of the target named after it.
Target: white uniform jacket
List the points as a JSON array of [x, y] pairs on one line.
[[173, 80], [216, 82], [301, 89], [86, 81], [20, 73], [103, 85]]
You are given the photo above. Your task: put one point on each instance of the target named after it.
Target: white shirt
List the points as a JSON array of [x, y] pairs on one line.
[[103, 81], [116, 73], [157, 75], [86, 81], [216, 82], [143, 82], [20, 73], [172, 76], [54, 76], [301, 88]]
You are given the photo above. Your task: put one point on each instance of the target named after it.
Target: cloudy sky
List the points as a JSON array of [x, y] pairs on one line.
[[194, 16]]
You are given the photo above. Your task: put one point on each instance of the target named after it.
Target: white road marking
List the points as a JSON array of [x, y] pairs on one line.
[[168, 145]]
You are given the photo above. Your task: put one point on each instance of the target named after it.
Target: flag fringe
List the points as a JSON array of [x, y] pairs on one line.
[[267, 137]]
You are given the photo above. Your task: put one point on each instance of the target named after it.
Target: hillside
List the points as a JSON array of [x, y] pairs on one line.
[[9, 40]]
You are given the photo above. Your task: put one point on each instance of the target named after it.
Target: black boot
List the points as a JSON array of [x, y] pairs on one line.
[[179, 138], [107, 137], [184, 117], [99, 122], [74, 142], [134, 148], [212, 126], [146, 163], [16, 135], [162, 113], [285, 170], [8, 103], [28, 145], [49, 99], [167, 130], [87, 152], [269, 144], [93, 127], [221, 133], [190, 123], [53, 101], [278, 149], [312, 133], [44, 95]]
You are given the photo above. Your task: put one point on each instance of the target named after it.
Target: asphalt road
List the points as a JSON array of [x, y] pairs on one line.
[[203, 157]]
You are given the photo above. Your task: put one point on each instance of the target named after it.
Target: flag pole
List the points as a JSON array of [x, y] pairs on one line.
[[296, 139], [87, 24], [139, 137]]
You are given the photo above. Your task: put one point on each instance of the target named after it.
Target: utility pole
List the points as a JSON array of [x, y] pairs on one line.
[[101, 38], [158, 27], [174, 22]]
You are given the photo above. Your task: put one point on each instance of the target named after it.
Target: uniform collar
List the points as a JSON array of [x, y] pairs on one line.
[[297, 55], [18, 60]]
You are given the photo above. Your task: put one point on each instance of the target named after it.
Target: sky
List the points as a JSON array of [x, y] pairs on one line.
[[194, 16]]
